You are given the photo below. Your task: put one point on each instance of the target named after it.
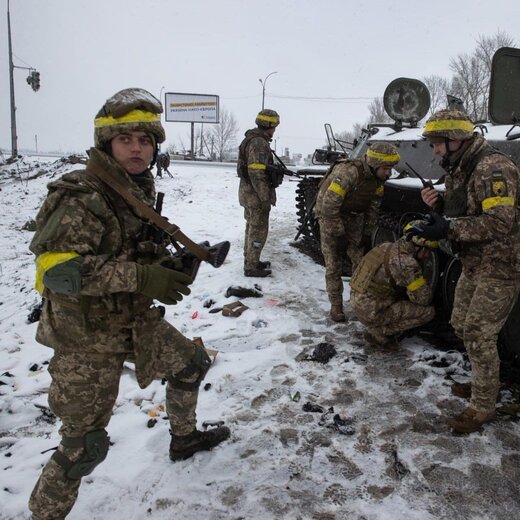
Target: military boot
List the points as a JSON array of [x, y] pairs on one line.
[[183, 447], [373, 339], [462, 390], [263, 265], [470, 420], [336, 313], [258, 273]]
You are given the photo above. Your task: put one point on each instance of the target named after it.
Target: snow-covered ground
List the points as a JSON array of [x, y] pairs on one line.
[[392, 457]]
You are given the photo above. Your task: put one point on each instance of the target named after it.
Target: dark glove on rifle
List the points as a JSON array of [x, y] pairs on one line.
[[436, 229], [162, 284]]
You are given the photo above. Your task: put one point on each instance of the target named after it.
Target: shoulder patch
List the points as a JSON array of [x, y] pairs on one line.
[[498, 183]]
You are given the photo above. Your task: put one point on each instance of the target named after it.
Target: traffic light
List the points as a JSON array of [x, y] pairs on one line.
[[36, 81], [33, 79]]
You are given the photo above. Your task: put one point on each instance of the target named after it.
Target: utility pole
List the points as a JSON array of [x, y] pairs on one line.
[[33, 80], [14, 145], [192, 149]]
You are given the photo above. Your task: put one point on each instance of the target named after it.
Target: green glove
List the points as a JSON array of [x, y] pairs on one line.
[[162, 284]]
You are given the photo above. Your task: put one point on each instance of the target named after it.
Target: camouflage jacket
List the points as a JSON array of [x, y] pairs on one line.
[[349, 187], [487, 230], [81, 215], [393, 273], [255, 154]]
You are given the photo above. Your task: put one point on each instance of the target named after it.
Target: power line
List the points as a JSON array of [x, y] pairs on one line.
[[352, 99], [314, 98]]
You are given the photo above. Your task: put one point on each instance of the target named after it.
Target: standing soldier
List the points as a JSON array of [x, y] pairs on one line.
[[481, 203], [388, 291], [257, 191], [346, 208], [99, 267]]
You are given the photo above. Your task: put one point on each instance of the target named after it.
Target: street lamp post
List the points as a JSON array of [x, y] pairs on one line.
[[263, 86], [160, 94]]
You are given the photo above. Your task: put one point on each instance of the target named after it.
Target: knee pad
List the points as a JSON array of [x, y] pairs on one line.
[[198, 365], [95, 448]]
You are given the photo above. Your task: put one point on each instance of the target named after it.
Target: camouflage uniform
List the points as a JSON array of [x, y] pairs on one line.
[[108, 322], [396, 296], [256, 193], [346, 208], [485, 230]]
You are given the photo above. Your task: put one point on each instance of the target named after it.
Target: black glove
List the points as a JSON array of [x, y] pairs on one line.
[[162, 284], [436, 229]]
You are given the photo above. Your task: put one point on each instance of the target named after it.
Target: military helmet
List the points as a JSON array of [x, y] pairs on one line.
[[267, 119], [129, 110], [382, 154], [448, 124], [418, 240]]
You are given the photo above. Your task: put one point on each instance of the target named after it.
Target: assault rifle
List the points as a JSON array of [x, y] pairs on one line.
[[281, 168], [214, 255], [187, 262], [184, 259]]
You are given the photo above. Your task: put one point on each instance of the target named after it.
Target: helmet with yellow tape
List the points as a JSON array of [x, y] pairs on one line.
[[267, 119], [448, 124], [418, 240], [129, 110], [382, 154]]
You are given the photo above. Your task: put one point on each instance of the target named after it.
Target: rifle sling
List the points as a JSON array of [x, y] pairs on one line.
[[121, 187]]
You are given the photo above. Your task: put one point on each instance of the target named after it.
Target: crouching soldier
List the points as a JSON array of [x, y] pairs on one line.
[[347, 204], [99, 272], [388, 291]]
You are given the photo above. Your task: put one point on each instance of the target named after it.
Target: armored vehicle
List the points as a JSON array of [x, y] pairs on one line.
[[407, 102]]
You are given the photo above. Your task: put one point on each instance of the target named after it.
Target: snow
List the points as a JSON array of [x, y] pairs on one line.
[[401, 462]]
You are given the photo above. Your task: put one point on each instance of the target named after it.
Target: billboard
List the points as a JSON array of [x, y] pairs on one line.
[[191, 108]]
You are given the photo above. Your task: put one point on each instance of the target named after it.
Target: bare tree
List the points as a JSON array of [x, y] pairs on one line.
[[377, 112], [488, 45], [438, 88], [223, 134], [472, 74]]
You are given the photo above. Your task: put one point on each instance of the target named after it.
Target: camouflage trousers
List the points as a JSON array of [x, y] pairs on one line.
[[387, 317], [257, 229], [480, 309], [84, 389], [334, 249]]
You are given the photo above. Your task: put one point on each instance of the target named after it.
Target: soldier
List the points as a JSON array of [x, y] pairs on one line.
[[98, 269], [257, 191], [346, 207], [388, 291], [481, 203]]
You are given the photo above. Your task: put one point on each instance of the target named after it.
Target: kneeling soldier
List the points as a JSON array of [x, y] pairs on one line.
[[389, 293]]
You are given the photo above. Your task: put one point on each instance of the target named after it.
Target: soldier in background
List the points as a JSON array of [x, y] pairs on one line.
[[388, 291], [481, 203], [257, 190], [346, 207], [99, 268], [162, 164]]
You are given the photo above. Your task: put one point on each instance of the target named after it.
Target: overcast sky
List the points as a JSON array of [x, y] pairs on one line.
[[346, 51]]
